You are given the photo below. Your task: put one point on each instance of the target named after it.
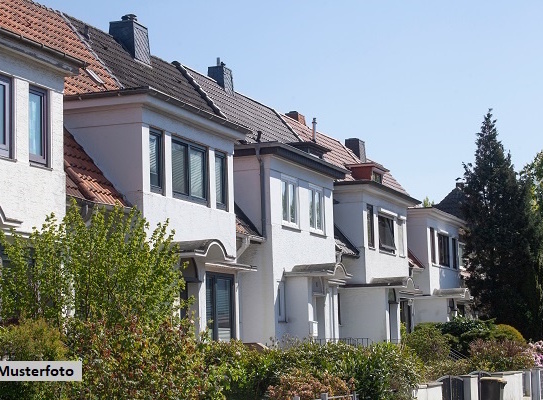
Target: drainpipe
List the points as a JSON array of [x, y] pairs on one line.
[[262, 186]]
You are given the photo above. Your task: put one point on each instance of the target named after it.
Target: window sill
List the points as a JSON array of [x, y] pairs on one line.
[[371, 248], [387, 253], [317, 233], [157, 190], [7, 158], [294, 228], [40, 166], [191, 199]]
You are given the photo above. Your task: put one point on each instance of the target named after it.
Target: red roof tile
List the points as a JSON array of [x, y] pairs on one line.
[[339, 154], [43, 25], [84, 179]]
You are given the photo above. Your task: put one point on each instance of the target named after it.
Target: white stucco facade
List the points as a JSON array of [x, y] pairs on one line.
[[310, 299], [31, 190], [434, 239], [370, 302]]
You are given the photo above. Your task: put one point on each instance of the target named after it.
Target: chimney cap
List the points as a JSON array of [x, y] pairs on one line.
[[129, 17]]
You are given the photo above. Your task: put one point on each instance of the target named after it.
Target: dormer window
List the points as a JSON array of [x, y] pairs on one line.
[[377, 177]]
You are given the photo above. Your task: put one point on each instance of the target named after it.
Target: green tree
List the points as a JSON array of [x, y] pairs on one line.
[[106, 269], [427, 202], [500, 237]]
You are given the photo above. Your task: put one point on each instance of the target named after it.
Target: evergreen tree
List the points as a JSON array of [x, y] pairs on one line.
[[500, 237]]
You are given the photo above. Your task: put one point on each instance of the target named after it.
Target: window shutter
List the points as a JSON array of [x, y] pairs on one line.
[[220, 178], [179, 168], [3, 114], [197, 173], [35, 124], [154, 159], [318, 209]]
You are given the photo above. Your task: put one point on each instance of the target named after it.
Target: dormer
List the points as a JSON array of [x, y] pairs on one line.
[[368, 171], [312, 148]]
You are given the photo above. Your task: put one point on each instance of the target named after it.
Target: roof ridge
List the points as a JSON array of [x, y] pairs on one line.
[[66, 18], [198, 88]]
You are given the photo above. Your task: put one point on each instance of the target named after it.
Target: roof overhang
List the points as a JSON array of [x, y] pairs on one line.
[[292, 154], [236, 131], [380, 188], [211, 249], [331, 271], [40, 52], [404, 284], [454, 293], [432, 212], [231, 266]]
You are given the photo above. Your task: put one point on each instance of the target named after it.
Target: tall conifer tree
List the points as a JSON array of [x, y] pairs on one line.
[[500, 237]]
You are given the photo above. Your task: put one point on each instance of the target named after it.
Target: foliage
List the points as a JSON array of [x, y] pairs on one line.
[[31, 341], [307, 386], [108, 269], [504, 355], [139, 361], [427, 202], [533, 172], [461, 331], [437, 369], [537, 352], [501, 237], [428, 343], [503, 331]]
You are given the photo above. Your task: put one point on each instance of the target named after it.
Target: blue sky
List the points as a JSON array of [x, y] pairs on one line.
[[412, 79]]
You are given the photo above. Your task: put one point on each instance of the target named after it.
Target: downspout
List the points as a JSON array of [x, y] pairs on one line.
[[262, 185]]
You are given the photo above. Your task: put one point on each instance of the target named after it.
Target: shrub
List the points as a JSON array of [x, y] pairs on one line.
[[503, 331], [447, 366], [504, 355], [32, 341], [307, 386], [428, 343], [461, 331], [537, 352]]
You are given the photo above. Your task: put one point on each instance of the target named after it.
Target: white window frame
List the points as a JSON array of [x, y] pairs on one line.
[[281, 302], [313, 192], [287, 180], [386, 248], [444, 256]]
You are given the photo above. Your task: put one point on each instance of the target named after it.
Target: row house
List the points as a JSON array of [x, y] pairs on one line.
[[282, 230]]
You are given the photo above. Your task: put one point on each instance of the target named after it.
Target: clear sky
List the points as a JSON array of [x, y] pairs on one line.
[[412, 79]]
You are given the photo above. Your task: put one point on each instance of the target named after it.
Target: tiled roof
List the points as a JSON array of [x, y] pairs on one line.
[[244, 224], [343, 244], [160, 75], [245, 111], [452, 203], [339, 154], [43, 25], [84, 179]]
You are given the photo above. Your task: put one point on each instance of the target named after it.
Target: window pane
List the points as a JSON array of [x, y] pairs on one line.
[[197, 173], [220, 169], [433, 245], [209, 303], [154, 160], [292, 202], [35, 124], [443, 244], [369, 223], [179, 168], [312, 208], [386, 234], [224, 308], [284, 200], [318, 209], [3, 116]]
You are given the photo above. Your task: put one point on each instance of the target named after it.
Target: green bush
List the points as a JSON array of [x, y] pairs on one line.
[[504, 355], [503, 331], [428, 343], [461, 331], [32, 341], [447, 366], [307, 386]]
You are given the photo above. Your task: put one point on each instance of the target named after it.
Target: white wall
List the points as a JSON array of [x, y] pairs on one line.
[[431, 309], [364, 313], [28, 192]]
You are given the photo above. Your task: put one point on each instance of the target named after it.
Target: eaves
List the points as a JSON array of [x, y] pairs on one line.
[[410, 201]]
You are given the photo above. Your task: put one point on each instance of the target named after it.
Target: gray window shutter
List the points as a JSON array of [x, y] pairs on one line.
[[179, 168], [197, 173]]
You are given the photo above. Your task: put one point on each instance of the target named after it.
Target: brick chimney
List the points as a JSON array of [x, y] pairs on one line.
[[358, 147], [132, 36], [297, 116], [222, 75]]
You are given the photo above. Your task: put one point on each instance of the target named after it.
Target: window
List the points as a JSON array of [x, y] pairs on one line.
[[281, 306], [401, 247], [189, 177], [220, 179], [5, 116], [386, 234], [339, 308], [377, 177], [37, 125], [155, 160], [220, 306], [288, 191], [316, 210], [455, 253], [370, 226], [443, 244], [433, 245]]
